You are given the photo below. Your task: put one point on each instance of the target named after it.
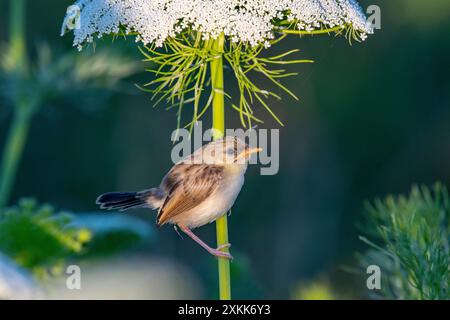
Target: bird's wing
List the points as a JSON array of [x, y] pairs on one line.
[[187, 186]]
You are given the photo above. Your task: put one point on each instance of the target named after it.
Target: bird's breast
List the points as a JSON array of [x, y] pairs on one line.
[[217, 204]]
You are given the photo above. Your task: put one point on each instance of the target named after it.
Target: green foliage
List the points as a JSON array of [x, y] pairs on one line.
[[413, 250], [112, 233], [39, 239], [42, 240], [52, 76]]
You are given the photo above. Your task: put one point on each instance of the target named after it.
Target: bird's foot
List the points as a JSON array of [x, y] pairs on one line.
[[215, 252], [221, 254]]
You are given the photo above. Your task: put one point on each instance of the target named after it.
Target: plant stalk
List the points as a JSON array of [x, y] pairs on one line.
[[17, 33], [12, 152], [23, 109], [218, 110]]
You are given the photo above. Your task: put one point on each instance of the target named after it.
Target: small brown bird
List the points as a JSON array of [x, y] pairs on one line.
[[196, 191]]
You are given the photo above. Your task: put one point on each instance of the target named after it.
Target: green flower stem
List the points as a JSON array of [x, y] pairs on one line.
[[313, 32], [219, 129], [12, 152], [23, 109]]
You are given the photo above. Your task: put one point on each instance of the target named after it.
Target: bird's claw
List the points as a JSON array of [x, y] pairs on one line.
[[223, 246], [221, 254]]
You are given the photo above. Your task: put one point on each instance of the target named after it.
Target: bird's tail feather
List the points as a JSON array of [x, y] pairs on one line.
[[122, 201]]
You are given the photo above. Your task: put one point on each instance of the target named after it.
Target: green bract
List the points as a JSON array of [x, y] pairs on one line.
[[178, 35]]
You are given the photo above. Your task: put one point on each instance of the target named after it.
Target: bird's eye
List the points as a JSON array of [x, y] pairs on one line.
[[230, 151]]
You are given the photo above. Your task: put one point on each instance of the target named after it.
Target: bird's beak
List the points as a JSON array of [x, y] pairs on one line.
[[247, 152]]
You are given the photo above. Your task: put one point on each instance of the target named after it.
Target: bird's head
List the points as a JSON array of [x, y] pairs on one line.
[[227, 151]]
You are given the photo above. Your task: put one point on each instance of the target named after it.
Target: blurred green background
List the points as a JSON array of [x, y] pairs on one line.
[[373, 118]]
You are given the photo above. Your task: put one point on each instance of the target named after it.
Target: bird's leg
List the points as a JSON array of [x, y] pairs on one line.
[[214, 252]]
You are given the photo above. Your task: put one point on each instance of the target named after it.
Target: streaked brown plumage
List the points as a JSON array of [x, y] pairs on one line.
[[196, 191]]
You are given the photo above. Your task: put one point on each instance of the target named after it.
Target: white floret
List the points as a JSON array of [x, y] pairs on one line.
[[249, 21]]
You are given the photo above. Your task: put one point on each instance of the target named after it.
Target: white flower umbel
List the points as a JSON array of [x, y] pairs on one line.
[[247, 21]]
